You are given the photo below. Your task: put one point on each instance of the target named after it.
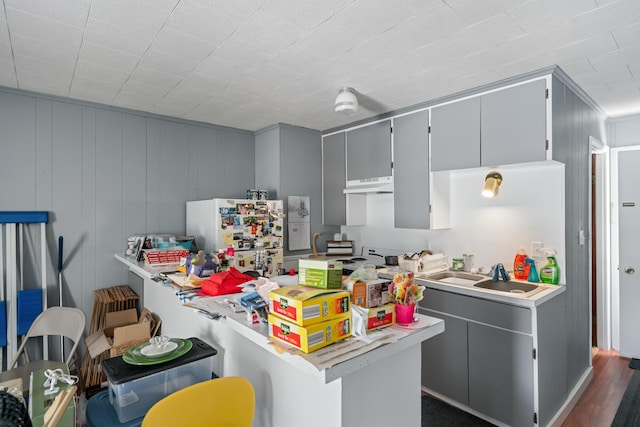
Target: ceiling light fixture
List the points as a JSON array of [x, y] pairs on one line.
[[491, 184], [346, 101]]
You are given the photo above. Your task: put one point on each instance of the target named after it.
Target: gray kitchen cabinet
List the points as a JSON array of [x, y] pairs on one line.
[[503, 127], [333, 180], [444, 359], [411, 199], [501, 374], [455, 135], [513, 125], [369, 151], [485, 358]]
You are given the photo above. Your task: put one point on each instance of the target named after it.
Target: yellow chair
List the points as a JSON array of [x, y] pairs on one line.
[[226, 401]]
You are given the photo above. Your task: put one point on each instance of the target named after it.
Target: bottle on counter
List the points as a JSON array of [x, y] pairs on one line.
[[550, 272], [520, 266], [533, 272]]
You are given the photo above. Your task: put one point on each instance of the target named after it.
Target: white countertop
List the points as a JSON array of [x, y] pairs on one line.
[[258, 333]]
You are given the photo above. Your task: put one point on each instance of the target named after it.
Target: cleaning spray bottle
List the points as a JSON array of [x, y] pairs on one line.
[[533, 272], [550, 272], [520, 266]]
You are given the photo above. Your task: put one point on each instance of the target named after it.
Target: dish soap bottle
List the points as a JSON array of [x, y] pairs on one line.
[[549, 273], [533, 272], [520, 266]]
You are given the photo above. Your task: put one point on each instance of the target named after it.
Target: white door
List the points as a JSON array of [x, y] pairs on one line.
[[629, 251]]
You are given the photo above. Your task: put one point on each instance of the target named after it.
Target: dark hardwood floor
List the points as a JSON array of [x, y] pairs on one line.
[[598, 404]]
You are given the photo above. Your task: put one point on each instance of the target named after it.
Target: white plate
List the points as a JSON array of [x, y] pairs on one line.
[[153, 351]]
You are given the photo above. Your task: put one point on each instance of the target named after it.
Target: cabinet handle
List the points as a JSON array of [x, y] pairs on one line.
[[629, 270]]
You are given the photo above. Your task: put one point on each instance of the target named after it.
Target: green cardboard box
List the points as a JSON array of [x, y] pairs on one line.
[[324, 274]]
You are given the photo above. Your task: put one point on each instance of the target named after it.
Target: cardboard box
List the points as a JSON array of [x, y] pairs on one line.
[[368, 293], [311, 337], [381, 316], [320, 273], [305, 306], [122, 331]]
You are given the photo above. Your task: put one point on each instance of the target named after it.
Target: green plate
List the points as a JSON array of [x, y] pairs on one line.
[[134, 357]]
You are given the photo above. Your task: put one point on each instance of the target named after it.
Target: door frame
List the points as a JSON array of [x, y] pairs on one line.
[[602, 238]]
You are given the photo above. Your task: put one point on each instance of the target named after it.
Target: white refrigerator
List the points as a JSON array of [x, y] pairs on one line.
[[242, 224]]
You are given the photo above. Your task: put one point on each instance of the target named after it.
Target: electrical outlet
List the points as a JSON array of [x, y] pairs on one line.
[[536, 249]]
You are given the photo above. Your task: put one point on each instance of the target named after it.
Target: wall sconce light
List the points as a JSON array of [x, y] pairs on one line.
[[491, 184]]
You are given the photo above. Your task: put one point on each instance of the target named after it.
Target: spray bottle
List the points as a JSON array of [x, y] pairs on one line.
[[533, 272], [550, 272]]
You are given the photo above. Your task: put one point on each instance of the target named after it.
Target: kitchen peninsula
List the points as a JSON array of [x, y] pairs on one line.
[[379, 387]]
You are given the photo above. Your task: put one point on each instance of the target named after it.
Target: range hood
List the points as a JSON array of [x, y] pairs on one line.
[[382, 184]]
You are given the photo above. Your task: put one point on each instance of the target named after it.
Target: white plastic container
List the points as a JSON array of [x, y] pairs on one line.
[[134, 398]]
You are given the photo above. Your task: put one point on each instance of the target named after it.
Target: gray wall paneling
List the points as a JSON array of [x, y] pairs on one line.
[[268, 161], [237, 162], [66, 186], [83, 251], [573, 122], [300, 174], [105, 173], [18, 139]]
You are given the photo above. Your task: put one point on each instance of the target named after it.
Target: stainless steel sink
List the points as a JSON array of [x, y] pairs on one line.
[[456, 278], [509, 287]]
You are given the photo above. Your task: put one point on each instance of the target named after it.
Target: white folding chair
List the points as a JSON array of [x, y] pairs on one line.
[[55, 321]]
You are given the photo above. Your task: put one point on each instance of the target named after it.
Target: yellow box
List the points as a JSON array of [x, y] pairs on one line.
[[305, 306], [311, 337], [320, 273], [379, 317]]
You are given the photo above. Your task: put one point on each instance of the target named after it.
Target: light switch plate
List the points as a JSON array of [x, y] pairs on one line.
[[536, 249]]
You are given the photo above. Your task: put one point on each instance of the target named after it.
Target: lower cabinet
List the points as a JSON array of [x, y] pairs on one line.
[[501, 374], [444, 359], [484, 359]]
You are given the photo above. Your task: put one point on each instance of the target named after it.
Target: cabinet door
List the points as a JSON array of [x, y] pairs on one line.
[[333, 180], [455, 135], [513, 125], [501, 374], [444, 359], [369, 151], [411, 171]]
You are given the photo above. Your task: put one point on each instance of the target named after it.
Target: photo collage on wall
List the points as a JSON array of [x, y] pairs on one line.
[[252, 220]]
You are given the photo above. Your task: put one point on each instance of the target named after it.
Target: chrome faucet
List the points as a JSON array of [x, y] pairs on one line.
[[499, 271]]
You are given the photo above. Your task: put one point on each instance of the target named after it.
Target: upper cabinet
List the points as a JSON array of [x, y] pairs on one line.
[[369, 151], [506, 126], [455, 135], [411, 171], [513, 125], [333, 180]]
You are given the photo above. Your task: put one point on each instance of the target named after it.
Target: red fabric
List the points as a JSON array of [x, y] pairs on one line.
[[225, 282]]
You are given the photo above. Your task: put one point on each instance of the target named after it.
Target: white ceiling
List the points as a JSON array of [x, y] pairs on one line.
[[252, 63]]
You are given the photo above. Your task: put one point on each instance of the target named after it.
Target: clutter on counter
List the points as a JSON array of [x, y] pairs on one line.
[[311, 337]]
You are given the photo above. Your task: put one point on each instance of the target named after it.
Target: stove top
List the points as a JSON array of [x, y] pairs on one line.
[[354, 263]]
